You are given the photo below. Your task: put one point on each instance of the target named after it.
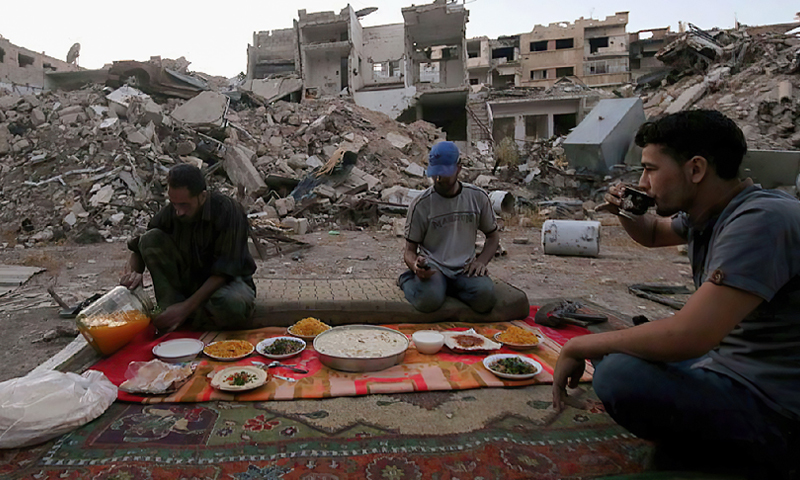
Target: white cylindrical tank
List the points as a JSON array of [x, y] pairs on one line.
[[571, 237]]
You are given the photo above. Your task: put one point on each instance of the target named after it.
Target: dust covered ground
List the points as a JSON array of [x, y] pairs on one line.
[[29, 317]]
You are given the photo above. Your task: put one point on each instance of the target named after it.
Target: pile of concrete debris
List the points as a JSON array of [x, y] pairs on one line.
[[89, 165], [748, 77]]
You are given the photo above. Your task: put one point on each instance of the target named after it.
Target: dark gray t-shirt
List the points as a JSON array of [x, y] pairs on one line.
[[754, 245], [446, 227]]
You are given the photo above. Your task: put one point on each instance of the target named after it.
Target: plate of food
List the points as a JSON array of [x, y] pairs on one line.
[[235, 379], [512, 367], [517, 338], [308, 328], [469, 342], [280, 347], [229, 350]]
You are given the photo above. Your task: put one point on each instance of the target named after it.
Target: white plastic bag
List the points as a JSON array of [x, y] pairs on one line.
[[38, 407]]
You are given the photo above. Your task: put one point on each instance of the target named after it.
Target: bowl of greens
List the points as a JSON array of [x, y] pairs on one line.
[[280, 347], [512, 367]]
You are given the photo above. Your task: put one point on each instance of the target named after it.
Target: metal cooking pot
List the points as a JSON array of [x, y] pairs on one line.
[[360, 364]]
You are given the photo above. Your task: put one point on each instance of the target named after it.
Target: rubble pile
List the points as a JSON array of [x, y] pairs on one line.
[[90, 165], [751, 81]]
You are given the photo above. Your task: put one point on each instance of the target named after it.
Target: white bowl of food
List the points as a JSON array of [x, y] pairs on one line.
[[179, 350], [279, 348], [428, 342], [512, 367]]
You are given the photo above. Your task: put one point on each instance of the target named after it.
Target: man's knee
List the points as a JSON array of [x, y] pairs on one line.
[[232, 305], [153, 238], [424, 295], [613, 377], [479, 294]]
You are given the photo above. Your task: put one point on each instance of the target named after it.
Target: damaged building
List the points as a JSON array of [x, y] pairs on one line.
[[24, 71], [595, 51], [415, 70]]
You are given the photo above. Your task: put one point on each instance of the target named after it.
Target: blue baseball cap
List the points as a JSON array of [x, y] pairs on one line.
[[443, 160]]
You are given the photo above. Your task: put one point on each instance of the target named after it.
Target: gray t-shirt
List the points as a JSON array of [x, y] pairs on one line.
[[446, 227], [754, 245]]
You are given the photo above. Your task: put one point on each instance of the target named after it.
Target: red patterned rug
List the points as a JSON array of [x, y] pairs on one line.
[[485, 433]]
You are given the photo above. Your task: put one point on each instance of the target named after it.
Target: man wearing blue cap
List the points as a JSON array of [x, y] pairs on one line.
[[441, 229]]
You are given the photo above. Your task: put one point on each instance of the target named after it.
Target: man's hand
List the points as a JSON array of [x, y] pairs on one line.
[[476, 268], [568, 371], [171, 318], [134, 268], [131, 280], [422, 269], [613, 199]]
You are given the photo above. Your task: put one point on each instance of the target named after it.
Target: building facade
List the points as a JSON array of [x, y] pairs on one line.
[[24, 71], [595, 51]]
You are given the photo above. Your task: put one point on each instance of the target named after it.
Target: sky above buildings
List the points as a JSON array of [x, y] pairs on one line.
[[214, 35]]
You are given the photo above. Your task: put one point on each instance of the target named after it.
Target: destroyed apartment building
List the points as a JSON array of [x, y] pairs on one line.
[[412, 71]]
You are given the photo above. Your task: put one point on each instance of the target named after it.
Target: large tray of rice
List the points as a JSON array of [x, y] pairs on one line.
[[361, 348]]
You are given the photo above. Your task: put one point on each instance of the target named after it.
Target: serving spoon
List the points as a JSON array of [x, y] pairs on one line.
[[276, 363]]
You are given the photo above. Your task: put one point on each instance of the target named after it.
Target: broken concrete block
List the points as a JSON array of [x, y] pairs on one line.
[[108, 123], [399, 195], [71, 118], [71, 219], [326, 191], [103, 196], [270, 90], [206, 109], [37, 117], [152, 113], [298, 160], [398, 141], [284, 206], [270, 211], [289, 222], [299, 226], [70, 110], [276, 141], [238, 164], [20, 145], [185, 148], [314, 162], [361, 175], [415, 170], [5, 140], [302, 226], [687, 98], [281, 164], [483, 181], [137, 137], [116, 218], [329, 150], [9, 101], [399, 227]]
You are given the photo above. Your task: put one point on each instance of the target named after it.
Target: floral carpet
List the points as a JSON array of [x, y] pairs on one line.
[[510, 433]]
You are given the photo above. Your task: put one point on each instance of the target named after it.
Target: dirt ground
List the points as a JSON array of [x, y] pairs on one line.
[[77, 272]]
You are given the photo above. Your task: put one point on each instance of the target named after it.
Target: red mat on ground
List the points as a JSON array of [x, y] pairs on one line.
[[447, 370]]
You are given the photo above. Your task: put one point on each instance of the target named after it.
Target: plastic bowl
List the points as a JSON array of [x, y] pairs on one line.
[[428, 342]]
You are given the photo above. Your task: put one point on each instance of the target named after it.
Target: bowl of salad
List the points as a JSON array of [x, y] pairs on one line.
[[512, 367], [278, 348]]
